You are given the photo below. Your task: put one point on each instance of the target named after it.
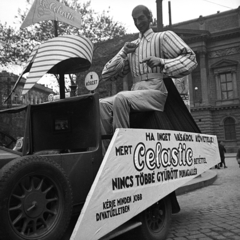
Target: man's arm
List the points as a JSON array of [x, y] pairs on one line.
[[179, 59], [118, 66]]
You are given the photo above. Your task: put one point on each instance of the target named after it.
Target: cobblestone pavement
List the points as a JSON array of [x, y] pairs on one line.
[[209, 213], [212, 212]]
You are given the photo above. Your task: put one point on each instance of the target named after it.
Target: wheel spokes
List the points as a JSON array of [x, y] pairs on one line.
[[52, 199], [17, 219], [48, 189], [24, 227], [52, 212], [155, 216], [34, 205], [16, 208], [24, 189], [40, 184]]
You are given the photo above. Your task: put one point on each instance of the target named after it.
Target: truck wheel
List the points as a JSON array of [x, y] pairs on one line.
[[35, 199], [156, 220]]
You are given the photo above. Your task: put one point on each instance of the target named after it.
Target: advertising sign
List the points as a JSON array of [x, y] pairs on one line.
[[140, 168], [91, 81], [51, 10]]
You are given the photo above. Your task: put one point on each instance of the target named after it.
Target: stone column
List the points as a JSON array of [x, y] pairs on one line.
[[218, 87], [203, 73], [190, 90], [234, 78]]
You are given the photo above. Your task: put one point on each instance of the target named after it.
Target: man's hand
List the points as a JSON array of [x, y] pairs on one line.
[[129, 47], [153, 62]]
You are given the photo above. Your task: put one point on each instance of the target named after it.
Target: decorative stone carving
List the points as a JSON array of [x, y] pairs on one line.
[[224, 52], [219, 24]]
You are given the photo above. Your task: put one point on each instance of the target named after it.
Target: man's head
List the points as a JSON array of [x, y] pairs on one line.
[[142, 17]]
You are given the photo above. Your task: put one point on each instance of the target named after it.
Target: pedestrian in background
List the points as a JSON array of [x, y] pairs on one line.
[[222, 152], [238, 157]]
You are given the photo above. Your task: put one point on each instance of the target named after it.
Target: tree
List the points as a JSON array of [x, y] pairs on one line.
[[18, 43]]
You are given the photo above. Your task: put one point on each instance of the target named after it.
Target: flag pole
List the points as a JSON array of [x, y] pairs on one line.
[[61, 73], [66, 15], [55, 24]]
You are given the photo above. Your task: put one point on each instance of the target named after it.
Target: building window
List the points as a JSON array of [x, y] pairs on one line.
[[225, 73], [229, 128], [226, 84]]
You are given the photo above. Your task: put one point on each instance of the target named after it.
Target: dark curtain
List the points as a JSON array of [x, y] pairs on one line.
[[12, 125], [174, 117]]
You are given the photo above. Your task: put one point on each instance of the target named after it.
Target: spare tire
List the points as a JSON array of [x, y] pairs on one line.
[[35, 199]]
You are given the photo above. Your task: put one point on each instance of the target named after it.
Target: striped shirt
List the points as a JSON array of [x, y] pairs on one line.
[[178, 58]]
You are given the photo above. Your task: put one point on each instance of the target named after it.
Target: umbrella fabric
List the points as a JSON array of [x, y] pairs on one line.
[[63, 54]]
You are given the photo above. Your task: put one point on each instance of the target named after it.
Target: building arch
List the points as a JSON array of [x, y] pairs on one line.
[[229, 126], [225, 74], [228, 116]]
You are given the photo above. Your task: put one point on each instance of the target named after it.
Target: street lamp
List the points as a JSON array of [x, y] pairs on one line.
[[195, 98]]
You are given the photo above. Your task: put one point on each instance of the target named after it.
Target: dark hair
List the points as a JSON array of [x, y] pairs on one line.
[[148, 13]]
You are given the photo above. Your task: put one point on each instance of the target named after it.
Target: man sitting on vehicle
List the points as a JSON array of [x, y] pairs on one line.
[[149, 58]]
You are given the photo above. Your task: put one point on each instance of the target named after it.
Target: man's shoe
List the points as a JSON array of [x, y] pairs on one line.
[[225, 167]]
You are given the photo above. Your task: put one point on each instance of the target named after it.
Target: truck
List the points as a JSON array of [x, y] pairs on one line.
[[52, 163], [58, 169]]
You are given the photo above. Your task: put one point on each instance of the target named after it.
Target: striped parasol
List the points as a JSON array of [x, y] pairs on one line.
[[63, 54], [59, 55]]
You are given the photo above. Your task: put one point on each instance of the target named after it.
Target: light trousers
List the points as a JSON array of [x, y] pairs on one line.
[[115, 110]]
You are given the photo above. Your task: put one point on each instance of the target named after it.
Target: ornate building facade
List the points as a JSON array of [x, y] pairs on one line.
[[13, 124], [38, 94], [215, 85]]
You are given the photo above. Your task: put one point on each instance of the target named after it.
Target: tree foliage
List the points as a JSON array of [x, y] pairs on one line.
[[18, 43]]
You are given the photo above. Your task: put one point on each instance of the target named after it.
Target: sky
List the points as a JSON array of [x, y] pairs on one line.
[[120, 10]]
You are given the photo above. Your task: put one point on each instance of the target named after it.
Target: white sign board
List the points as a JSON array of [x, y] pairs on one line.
[[42, 10], [91, 81], [141, 167]]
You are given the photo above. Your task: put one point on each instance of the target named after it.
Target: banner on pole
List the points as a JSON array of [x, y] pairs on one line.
[[42, 10]]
